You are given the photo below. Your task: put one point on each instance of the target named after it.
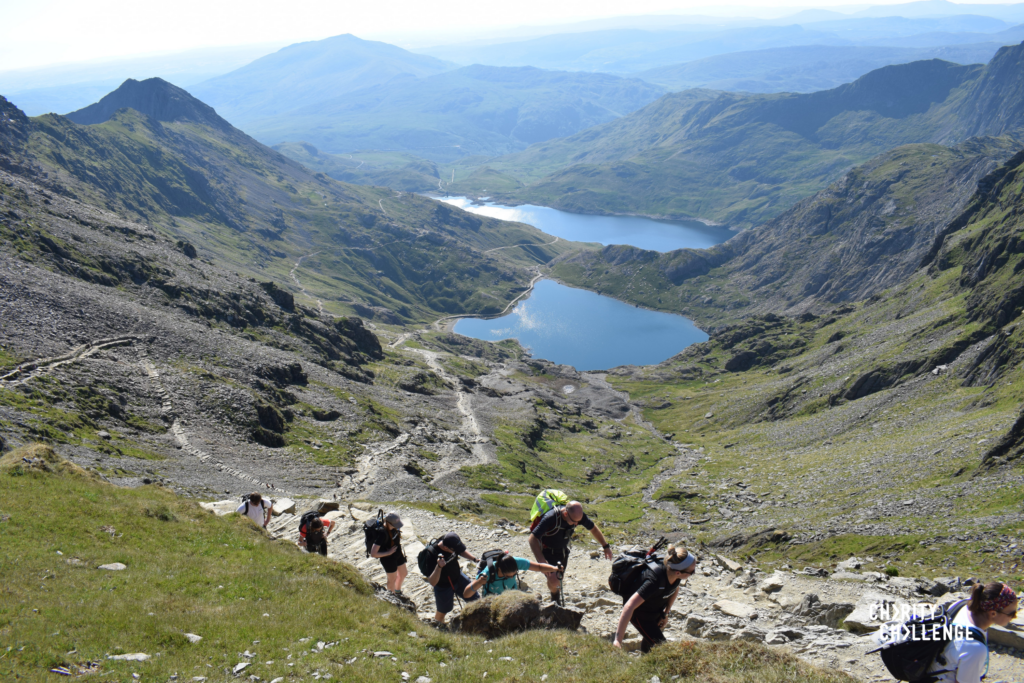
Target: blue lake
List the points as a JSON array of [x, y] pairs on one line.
[[586, 330], [635, 230]]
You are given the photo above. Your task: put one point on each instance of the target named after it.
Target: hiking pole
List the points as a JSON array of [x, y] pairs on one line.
[[561, 585]]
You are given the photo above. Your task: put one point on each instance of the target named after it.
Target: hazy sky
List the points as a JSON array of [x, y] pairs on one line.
[[40, 32]]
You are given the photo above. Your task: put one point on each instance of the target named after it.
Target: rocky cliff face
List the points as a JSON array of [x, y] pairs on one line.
[[994, 104]]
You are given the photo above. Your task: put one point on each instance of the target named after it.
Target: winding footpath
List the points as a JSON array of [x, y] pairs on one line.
[[295, 278], [181, 436]]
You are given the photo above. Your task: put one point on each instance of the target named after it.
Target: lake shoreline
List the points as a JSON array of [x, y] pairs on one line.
[[481, 200], [567, 319]]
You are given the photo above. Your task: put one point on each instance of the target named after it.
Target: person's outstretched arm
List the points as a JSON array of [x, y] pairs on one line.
[[627, 614], [599, 537], [543, 567], [474, 586]]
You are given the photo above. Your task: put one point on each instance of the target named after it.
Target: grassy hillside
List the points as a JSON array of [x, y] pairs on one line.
[[888, 428], [188, 571], [186, 170], [743, 159]]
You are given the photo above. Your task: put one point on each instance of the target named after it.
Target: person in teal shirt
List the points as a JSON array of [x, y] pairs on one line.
[[507, 569]]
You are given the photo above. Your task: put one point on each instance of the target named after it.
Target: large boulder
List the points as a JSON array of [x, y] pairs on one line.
[[815, 611], [496, 615], [556, 616], [873, 610]]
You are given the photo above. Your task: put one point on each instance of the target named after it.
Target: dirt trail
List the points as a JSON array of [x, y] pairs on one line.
[[181, 435], [464, 404], [295, 278]]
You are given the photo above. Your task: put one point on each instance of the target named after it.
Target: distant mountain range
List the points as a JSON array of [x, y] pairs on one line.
[[308, 73], [476, 110], [805, 68], [629, 51], [743, 159]]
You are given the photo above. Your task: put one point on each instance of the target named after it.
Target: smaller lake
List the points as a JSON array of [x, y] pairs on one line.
[[586, 330], [645, 233]]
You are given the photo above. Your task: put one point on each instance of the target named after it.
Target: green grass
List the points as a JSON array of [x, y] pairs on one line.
[[191, 572], [604, 464]]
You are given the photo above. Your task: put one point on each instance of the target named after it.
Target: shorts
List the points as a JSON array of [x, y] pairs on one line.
[[391, 563], [556, 556], [444, 592]]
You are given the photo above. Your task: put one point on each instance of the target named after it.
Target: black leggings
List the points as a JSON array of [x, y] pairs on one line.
[[649, 628]]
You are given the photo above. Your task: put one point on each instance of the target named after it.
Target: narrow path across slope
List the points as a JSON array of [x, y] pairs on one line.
[[512, 246], [32, 369], [464, 404], [181, 436], [439, 324], [319, 304]]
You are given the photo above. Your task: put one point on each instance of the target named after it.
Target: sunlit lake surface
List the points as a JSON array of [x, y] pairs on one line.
[[586, 330], [639, 232]]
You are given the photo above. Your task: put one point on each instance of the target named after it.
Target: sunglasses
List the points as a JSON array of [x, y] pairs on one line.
[[1010, 614]]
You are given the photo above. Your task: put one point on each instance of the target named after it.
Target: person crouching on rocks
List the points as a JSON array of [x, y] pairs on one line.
[[447, 578], [965, 659], [313, 534], [388, 549], [648, 608], [505, 575]]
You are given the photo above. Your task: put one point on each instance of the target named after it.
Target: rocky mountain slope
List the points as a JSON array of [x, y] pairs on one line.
[[743, 159], [170, 161], [863, 234], [888, 426]]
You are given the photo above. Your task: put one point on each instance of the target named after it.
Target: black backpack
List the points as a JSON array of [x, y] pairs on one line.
[[629, 569], [489, 561], [307, 519], [245, 499], [909, 648], [427, 559], [371, 529]]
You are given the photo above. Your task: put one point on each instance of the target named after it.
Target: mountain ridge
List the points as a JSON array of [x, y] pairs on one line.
[[737, 159], [154, 97]]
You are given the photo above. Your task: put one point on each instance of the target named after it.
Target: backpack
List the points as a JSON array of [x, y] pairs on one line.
[[306, 519], [547, 500], [371, 528], [909, 648], [245, 499], [489, 561], [427, 559], [630, 568]]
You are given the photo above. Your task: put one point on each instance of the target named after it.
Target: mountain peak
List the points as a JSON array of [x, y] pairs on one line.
[[154, 97]]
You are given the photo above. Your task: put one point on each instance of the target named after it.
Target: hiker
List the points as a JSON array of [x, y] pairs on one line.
[[387, 547], [313, 532], [446, 576], [965, 659], [648, 608], [550, 539], [257, 509], [502, 574]]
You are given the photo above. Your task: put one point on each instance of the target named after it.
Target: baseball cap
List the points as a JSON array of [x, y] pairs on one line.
[[452, 540]]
